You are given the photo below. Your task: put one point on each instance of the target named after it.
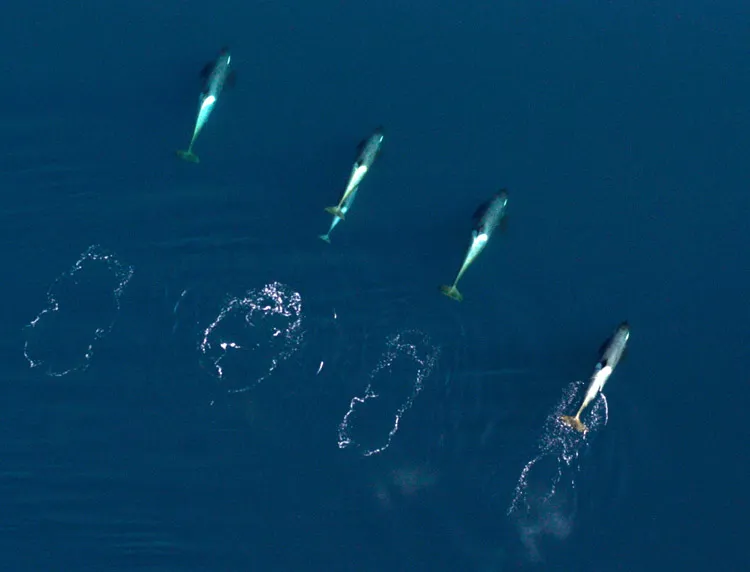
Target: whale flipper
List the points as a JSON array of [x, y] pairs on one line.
[[231, 80], [504, 224], [479, 212], [206, 70]]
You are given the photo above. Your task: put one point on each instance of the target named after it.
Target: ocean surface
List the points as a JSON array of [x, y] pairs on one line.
[[193, 381]]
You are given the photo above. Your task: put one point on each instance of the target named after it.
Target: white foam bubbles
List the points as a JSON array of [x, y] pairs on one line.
[[252, 335], [544, 502], [82, 306], [374, 417]]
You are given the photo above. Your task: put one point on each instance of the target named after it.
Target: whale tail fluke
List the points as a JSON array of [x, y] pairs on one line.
[[452, 292], [325, 237], [574, 422], [188, 156], [335, 211]]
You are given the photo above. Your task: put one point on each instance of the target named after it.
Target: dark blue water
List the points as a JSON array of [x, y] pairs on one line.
[[196, 349]]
